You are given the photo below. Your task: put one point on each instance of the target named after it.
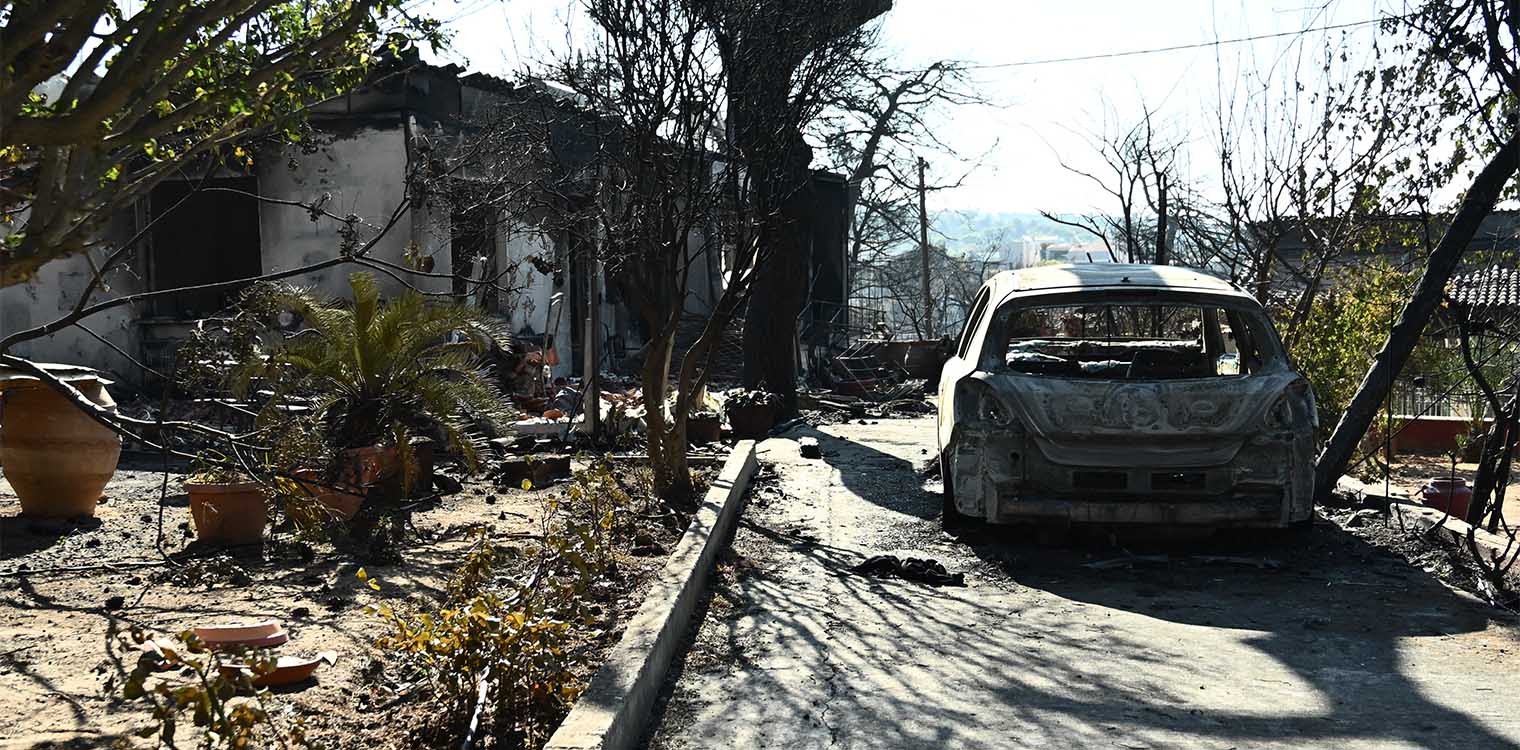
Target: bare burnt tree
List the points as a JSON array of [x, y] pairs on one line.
[[1144, 178], [873, 131], [783, 59], [665, 84], [896, 281], [624, 147]]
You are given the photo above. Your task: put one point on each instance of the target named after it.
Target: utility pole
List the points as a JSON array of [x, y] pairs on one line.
[[923, 248], [591, 396]]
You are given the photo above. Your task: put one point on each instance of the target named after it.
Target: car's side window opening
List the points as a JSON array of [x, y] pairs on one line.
[[977, 308], [1130, 341]]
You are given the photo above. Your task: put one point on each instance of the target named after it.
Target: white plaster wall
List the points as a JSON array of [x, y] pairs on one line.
[[364, 171], [52, 294]]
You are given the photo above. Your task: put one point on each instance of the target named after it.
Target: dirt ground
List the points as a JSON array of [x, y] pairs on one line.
[[1410, 472], [59, 660], [1334, 636]]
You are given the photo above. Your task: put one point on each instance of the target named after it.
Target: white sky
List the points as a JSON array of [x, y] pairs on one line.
[[1038, 110]]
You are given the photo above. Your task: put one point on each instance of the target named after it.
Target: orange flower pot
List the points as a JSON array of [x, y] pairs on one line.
[[228, 514]]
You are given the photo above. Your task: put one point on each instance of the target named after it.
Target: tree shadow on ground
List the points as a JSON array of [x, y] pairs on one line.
[[1042, 651]]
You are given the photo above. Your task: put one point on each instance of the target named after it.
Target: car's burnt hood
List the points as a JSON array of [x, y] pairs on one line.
[[1193, 422]]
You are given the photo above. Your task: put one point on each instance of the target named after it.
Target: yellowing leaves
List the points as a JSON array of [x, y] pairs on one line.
[[373, 583]]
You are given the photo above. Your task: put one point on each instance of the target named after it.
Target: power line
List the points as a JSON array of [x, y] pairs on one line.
[[1175, 48]]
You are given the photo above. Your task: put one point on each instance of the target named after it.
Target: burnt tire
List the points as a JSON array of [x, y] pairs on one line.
[[950, 516]]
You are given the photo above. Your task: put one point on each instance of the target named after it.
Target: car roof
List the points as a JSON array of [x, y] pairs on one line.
[[1070, 276]]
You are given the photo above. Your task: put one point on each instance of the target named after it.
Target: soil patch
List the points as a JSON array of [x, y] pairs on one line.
[[67, 589]]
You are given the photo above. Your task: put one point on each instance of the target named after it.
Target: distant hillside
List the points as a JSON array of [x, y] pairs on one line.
[[963, 231]]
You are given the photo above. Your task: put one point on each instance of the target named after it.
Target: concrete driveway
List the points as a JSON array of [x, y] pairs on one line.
[[1344, 646]]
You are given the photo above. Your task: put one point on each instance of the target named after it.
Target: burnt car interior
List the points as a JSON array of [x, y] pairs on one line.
[[1130, 341]]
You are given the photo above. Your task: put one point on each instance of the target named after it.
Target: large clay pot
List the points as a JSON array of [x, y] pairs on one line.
[[56, 457], [228, 513]]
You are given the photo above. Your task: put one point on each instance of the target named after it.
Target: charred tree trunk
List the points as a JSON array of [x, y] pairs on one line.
[[1477, 204], [770, 325]]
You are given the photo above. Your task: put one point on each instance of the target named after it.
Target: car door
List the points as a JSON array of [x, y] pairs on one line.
[[962, 362]]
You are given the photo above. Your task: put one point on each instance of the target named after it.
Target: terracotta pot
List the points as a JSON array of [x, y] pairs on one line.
[[339, 504], [702, 430], [1447, 495], [752, 421], [359, 469], [228, 513], [56, 458]]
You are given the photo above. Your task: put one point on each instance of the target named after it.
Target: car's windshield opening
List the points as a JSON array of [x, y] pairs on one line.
[[1132, 340]]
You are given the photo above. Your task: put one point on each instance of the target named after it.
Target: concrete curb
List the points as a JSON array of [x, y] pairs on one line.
[[612, 713]]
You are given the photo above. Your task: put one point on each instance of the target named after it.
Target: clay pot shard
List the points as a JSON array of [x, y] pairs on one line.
[[288, 670], [265, 634]]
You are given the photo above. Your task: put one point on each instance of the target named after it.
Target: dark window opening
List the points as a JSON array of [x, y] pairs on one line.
[[202, 236], [1132, 341], [473, 243]]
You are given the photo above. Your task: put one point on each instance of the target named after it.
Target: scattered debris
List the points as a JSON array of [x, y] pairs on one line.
[[537, 471], [909, 569], [1362, 518]]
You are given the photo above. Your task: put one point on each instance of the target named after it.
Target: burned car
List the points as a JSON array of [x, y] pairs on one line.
[[1113, 393]]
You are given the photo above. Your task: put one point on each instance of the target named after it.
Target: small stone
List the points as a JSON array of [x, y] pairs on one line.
[[1362, 518], [809, 448], [301, 613], [490, 499]]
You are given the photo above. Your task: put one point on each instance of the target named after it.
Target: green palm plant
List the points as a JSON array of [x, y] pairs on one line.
[[375, 373]]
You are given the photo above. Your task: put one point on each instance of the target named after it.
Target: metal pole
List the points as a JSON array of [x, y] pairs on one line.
[[592, 398], [923, 249]]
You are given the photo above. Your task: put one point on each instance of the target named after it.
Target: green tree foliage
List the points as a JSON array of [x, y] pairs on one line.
[[1346, 329], [97, 105]]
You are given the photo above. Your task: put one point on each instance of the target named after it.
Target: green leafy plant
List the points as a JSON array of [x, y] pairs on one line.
[[377, 373], [181, 677]]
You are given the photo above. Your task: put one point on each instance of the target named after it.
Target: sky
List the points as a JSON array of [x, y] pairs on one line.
[[1035, 112]]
